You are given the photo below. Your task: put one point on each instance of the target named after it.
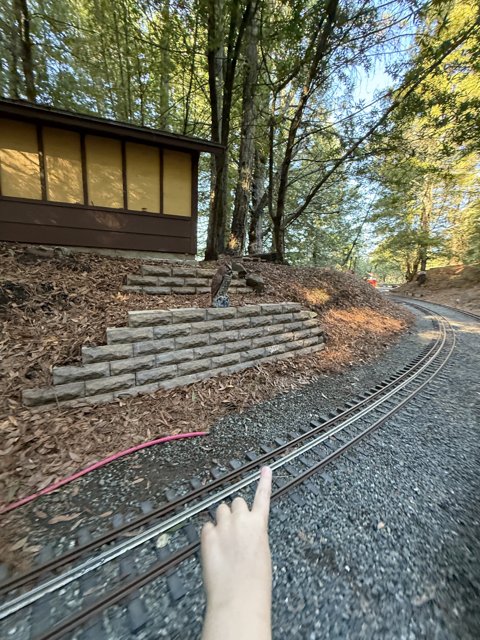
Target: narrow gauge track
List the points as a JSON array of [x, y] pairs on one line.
[[409, 300], [305, 454]]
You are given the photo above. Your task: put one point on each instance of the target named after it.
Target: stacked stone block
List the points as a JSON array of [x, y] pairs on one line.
[[163, 349], [167, 279]]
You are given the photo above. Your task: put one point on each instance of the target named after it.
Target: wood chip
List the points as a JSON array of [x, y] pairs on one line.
[[63, 518], [19, 544]]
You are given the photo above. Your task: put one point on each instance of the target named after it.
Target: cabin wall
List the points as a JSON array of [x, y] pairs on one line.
[[66, 187]]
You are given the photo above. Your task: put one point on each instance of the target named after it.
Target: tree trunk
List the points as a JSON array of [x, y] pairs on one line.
[[278, 239], [186, 119], [255, 233], [13, 79], [165, 65], [243, 191], [23, 19], [325, 30], [216, 228], [412, 270], [215, 81], [425, 216], [123, 104], [128, 57], [221, 123], [348, 257]]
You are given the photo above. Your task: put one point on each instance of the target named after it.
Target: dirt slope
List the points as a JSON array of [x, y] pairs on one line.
[[457, 286], [49, 307]]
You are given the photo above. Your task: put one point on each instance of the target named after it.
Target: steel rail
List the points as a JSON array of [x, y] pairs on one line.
[[405, 299], [163, 566], [95, 562], [16, 582]]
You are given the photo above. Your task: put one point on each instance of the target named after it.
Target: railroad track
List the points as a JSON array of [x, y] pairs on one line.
[[112, 568], [409, 300]]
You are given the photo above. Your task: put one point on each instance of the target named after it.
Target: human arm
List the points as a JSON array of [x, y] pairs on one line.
[[237, 569]]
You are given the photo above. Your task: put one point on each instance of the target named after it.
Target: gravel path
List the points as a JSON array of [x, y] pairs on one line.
[[390, 548]]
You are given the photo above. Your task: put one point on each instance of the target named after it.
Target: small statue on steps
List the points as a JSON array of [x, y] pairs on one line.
[[421, 277], [220, 283]]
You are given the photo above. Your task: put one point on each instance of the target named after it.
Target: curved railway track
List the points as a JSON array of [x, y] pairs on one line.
[[409, 300], [305, 454]]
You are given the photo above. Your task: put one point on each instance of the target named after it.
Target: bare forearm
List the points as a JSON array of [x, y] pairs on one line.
[[247, 622], [237, 569]]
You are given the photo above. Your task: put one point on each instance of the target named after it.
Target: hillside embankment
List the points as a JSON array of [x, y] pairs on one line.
[[457, 286], [51, 306]]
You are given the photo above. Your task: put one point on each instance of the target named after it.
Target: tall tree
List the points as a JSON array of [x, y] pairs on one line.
[[239, 16], [246, 158]]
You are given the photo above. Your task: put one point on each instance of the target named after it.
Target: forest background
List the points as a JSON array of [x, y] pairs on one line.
[[351, 128]]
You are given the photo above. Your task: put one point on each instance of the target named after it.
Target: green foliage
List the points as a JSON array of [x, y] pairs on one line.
[[147, 63], [428, 204]]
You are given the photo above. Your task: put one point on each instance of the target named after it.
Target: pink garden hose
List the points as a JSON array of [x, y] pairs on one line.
[[97, 465]]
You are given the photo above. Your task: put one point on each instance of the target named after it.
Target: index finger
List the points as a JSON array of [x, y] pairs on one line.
[[261, 502]]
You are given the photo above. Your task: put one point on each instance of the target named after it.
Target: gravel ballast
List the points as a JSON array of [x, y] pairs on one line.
[[390, 548]]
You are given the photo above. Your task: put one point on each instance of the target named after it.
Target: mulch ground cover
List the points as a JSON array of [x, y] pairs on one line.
[[52, 305]]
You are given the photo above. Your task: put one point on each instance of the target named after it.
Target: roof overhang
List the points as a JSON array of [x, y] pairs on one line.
[[94, 125]]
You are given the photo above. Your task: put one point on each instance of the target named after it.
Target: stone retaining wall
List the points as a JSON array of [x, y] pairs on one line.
[[162, 349], [167, 279]]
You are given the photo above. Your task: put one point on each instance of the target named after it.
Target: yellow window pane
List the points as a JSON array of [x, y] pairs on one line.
[[63, 165], [143, 177], [19, 160], [177, 183], [104, 172]]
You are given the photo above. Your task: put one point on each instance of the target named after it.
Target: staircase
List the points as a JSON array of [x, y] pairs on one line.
[[163, 349]]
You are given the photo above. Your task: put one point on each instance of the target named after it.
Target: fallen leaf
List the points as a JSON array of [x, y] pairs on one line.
[[137, 480], [66, 518], [162, 540], [33, 549], [19, 544]]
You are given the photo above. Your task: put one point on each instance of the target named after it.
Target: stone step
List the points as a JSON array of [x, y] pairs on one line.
[[178, 272], [154, 317], [62, 375], [150, 354], [161, 346], [144, 334], [176, 284], [74, 395]]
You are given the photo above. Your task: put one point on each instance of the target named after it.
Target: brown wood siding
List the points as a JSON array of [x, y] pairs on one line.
[[194, 218], [72, 225], [54, 222]]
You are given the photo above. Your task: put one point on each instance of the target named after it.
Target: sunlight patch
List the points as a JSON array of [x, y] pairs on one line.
[[316, 296]]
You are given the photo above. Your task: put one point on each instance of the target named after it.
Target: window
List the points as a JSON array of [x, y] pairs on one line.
[[104, 172], [143, 177], [19, 160], [177, 183], [63, 165]]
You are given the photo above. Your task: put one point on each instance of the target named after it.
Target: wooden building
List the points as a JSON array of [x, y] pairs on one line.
[[81, 181]]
